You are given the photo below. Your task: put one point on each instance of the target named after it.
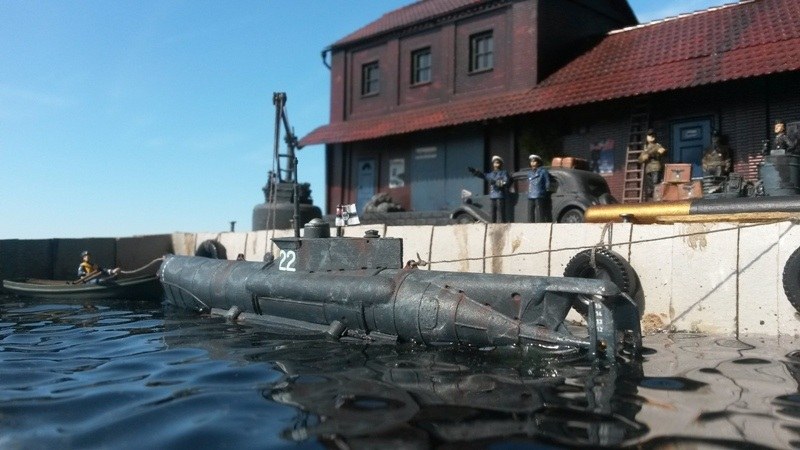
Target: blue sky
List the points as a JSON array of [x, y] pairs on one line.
[[123, 118]]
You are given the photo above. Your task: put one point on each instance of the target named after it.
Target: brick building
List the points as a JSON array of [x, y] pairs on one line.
[[439, 85]]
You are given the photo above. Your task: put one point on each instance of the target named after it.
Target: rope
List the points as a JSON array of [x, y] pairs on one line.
[[274, 177], [599, 245], [128, 272], [793, 220]]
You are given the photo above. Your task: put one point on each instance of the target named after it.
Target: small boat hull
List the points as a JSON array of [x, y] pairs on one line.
[[129, 288]]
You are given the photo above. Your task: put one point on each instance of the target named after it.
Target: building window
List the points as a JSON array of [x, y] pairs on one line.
[[421, 66], [481, 52], [370, 79]]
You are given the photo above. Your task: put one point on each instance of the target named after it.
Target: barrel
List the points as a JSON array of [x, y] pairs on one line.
[[780, 174]]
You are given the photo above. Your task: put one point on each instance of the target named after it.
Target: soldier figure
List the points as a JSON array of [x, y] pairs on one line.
[[652, 154], [717, 158], [498, 181], [782, 140]]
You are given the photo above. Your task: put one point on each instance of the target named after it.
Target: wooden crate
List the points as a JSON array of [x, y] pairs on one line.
[[670, 192], [570, 162], [677, 173]]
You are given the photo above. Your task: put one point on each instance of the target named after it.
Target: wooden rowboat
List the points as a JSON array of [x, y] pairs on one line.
[[138, 288]]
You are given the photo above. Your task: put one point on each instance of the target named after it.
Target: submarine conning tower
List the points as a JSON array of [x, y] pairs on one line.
[[316, 251]]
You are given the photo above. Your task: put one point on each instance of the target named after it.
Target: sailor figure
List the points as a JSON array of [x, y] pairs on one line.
[[498, 182], [539, 206]]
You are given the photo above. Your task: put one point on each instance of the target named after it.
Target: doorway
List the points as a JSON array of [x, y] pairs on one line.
[[689, 140], [367, 177]]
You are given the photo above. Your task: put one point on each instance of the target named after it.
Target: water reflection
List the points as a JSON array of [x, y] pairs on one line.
[[689, 391], [721, 393], [126, 375], [347, 394], [441, 397], [452, 395]]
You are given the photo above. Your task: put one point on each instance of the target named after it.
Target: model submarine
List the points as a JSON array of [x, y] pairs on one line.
[[359, 287]]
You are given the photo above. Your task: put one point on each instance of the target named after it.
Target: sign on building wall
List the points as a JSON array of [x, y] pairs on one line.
[[425, 153], [601, 157], [397, 173]]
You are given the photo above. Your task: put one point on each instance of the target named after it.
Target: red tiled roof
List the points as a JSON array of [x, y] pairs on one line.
[[408, 15], [743, 40]]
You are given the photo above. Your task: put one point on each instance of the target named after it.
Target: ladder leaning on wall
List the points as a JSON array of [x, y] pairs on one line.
[[634, 178]]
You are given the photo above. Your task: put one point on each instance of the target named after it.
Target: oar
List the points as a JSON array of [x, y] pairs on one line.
[[88, 277]]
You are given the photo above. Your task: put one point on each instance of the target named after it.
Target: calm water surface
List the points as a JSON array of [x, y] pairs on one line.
[[125, 374]]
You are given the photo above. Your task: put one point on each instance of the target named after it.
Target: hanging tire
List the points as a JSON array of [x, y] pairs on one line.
[[211, 249], [791, 279], [610, 266]]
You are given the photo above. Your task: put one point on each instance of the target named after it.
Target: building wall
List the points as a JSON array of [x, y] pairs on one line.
[[514, 32], [338, 83], [427, 169], [569, 28], [497, 79], [743, 111], [743, 119], [360, 105], [439, 42], [602, 131], [336, 174], [532, 38]]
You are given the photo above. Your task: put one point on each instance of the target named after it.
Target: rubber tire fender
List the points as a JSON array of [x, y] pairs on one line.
[[611, 266], [211, 249], [791, 279]]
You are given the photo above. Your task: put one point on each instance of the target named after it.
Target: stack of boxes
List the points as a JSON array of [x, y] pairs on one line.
[[678, 184]]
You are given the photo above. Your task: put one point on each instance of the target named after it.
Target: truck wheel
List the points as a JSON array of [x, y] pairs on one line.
[[611, 266], [572, 215], [791, 279], [464, 218]]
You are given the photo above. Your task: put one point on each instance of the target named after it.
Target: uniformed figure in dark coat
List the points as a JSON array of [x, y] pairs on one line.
[[783, 141], [652, 155], [539, 205], [498, 183], [717, 158]]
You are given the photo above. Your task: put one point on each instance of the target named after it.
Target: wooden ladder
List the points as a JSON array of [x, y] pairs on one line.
[[634, 177]]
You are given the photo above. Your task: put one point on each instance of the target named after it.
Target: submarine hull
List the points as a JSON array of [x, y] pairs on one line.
[[415, 306]]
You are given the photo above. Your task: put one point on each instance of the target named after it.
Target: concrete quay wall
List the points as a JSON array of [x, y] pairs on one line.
[[715, 278], [59, 258]]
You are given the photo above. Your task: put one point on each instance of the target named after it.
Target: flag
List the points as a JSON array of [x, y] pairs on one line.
[[346, 215]]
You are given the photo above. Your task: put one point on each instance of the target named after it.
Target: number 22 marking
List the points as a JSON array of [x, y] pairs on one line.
[[288, 258]]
